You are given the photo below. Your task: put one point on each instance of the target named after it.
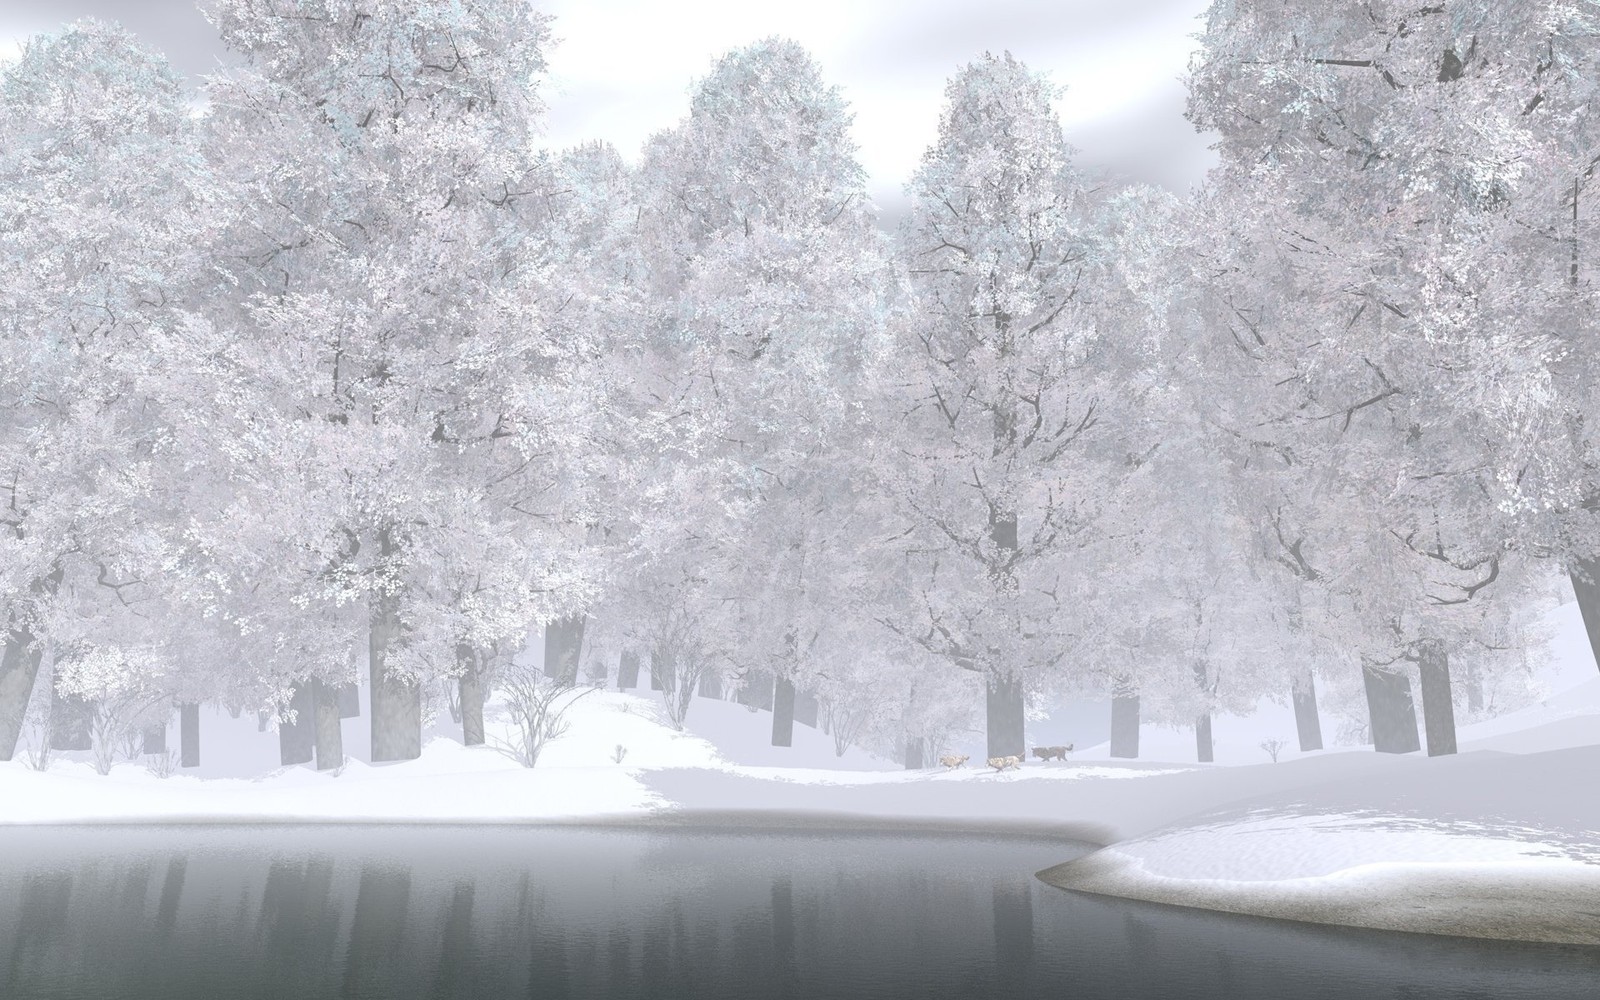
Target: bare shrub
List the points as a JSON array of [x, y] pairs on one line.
[[845, 721], [163, 765], [619, 753], [538, 707], [1273, 747], [36, 733]]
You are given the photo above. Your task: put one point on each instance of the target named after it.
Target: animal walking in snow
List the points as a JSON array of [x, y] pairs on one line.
[[1052, 753], [1001, 763], [954, 761]]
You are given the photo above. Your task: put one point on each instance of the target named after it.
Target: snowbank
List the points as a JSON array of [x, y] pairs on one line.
[[1501, 843]]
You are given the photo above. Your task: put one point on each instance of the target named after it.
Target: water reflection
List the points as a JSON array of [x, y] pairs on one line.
[[456, 913]]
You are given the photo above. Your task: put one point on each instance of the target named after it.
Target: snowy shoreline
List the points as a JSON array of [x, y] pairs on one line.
[[1486, 843], [1440, 871]]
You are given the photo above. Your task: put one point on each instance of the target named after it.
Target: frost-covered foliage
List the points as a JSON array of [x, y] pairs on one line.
[[343, 374]]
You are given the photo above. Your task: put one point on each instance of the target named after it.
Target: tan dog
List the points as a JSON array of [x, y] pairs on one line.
[[1001, 763], [1052, 753], [953, 761]]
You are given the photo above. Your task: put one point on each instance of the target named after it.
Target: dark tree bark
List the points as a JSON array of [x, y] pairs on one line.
[[1438, 710], [1303, 692], [915, 754], [325, 719], [396, 702], [349, 701], [628, 671], [1005, 715], [1585, 575], [563, 649], [660, 670], [189, 734], [70, 720], [1390, 709], [155, 738], [1202, 723], [711, 685], [783, 712], [470, 691], [1125, 725], [757, 690], [805, 708], [19, 669], [297, 740]]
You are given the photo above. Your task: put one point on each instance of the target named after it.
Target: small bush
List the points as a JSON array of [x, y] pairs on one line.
[[163, 765], [1273, 746]]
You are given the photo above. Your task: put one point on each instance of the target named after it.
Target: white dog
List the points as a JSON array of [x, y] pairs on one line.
[[952, 761], [1001, 763]]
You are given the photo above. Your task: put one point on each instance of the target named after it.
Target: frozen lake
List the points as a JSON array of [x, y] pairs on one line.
[[491, 912]]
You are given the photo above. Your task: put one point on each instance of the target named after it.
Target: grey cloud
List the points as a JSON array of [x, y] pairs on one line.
[[943, 35], [1151, 143], [175, 28]]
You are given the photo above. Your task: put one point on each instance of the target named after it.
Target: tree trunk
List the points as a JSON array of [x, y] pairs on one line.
[[757, 691], [325, 721], [297, 740], [660, 671], [396, 703], [189, 734], [563, 648], [70, 721], [1393, 716], [349, 701], [1473, 682], [805, 708], [155, 738], [711, 685], [1438, 711], [783, 713], [1202, 739], [1303, 692], [470, 691], [1125, 725], [1005, 715], [628, 671], [915, 755], [19, 669], [1585, 575]]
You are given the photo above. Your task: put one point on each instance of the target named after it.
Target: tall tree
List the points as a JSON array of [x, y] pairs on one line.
[[1003, 460], [103, 212], [402, 343]]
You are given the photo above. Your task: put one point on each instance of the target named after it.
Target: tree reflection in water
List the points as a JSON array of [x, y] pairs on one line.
[[233, 914]]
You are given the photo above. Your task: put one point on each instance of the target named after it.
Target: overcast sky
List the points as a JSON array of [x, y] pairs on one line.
[[623, 68]]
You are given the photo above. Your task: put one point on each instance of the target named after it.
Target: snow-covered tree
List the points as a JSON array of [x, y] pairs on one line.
[[103, 211], [388, 320], [770, 282], [1003, 462], [1352, 258]]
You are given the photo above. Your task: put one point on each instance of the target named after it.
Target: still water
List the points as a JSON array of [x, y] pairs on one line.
[[490, 912]]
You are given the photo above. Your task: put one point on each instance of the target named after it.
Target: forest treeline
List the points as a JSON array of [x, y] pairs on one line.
[[341, 375]]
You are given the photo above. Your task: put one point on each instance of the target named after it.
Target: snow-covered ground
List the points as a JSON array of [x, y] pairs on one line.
[[1501, 840]]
